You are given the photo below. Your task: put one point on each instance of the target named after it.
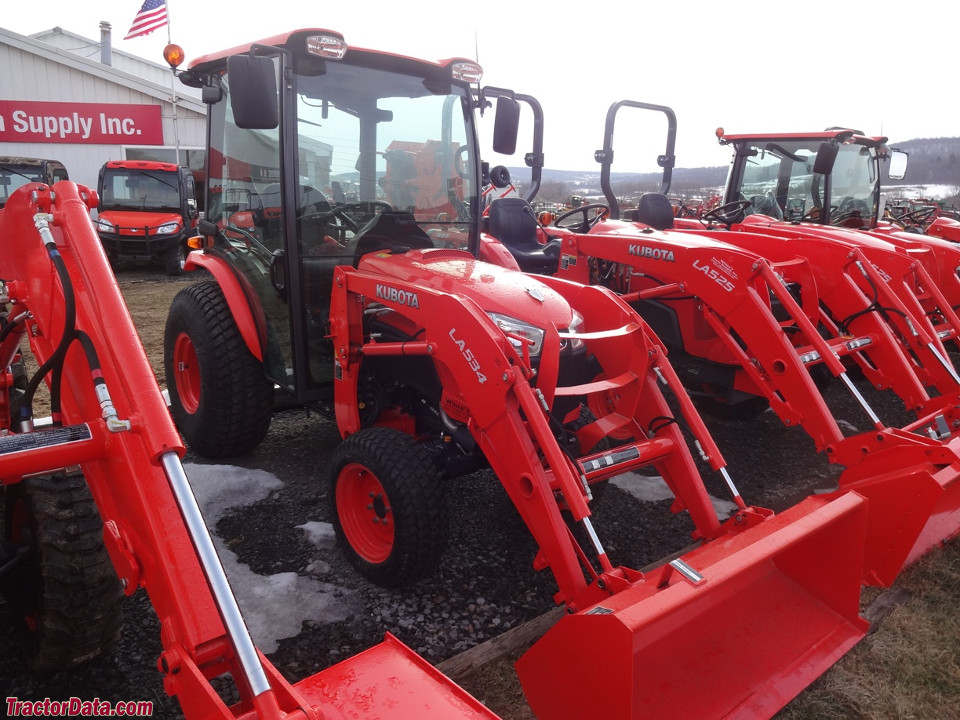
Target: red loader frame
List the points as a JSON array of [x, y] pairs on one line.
[[111, 420]]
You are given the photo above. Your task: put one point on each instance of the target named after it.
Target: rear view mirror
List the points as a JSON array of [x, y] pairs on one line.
[[253, 89], [897, 168], [506, 125], [826, 156]]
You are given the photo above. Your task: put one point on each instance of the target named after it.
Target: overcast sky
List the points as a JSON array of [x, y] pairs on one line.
[[753, 67]]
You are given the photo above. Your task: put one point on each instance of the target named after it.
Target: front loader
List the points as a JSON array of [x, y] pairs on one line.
[[375, 306], [760, 318], [103, 483]]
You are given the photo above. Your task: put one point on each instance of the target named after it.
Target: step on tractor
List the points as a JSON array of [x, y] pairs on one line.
[[347, 275], [754, 322], [97, 504], [148, 211]]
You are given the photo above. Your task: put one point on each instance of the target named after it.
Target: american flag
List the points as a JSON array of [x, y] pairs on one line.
[[152, 16]]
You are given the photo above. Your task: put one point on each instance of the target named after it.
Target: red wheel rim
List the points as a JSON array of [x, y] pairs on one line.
[[364, 511], [186, 373]]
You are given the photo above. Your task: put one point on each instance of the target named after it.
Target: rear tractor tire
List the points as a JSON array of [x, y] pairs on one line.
[[61, 586], [220, 397], [388, 506]]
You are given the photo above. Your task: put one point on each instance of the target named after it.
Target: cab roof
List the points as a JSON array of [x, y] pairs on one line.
[[296, 40], [838, 134]]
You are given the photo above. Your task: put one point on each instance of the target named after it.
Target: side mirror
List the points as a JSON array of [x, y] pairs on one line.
[[506, 125], [253, 89], [826, 157], [897, 168]]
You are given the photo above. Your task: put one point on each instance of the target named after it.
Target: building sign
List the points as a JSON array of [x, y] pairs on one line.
[[26, 121]]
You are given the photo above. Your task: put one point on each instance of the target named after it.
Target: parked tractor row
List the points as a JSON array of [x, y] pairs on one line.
[[357, 265]]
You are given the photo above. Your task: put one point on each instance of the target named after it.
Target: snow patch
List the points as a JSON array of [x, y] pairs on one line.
[[320, 534], [273, 606], [652, 488]]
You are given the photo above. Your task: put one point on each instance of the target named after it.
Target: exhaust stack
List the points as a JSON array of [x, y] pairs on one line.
[[106, 44]]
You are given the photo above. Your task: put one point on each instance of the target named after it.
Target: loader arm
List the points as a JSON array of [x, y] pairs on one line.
[[111, 420], [904, 354], [898, 280], [509, 418], [735, 289]]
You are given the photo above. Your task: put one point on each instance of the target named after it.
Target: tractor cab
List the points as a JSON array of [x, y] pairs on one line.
[[352, 152], [829, 178]]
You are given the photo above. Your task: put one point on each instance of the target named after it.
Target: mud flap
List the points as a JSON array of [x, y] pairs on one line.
[[391, 682], [775, 606]]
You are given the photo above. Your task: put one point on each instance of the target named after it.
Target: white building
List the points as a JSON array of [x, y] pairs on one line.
[[65, 97]]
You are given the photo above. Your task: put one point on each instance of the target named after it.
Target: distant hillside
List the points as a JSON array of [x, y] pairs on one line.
[[932, 162]]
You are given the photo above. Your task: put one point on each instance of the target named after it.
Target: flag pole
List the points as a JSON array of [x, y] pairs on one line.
[[173, 92]]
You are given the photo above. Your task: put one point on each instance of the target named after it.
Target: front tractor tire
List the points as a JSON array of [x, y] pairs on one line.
[[220, 399], [388, 506], [61, 585]]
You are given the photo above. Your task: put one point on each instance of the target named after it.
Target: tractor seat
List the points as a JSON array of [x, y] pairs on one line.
[[655, 210], [513, 222]]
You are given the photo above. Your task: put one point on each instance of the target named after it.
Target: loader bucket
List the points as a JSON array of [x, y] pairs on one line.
[[913, 490], [776, 606], [389, 682]]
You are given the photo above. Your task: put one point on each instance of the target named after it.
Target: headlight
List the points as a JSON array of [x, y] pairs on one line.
[[168, 229], [105, 226], [512, 326]]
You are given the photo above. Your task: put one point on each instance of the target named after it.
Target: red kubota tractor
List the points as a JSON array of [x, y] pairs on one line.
[[436, 363], [756, 321]]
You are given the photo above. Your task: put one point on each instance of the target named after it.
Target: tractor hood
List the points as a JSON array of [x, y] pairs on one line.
[[493, 288]]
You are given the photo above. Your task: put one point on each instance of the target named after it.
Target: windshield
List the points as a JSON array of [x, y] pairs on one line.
[[131, 189], [368, 143], [13, 177], [778, 180], [362, 159]]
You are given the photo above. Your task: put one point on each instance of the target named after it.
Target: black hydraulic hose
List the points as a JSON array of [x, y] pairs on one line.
[[56, 360], [874, 306]]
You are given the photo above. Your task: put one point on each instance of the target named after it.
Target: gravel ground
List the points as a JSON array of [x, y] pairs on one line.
[[484, 586]]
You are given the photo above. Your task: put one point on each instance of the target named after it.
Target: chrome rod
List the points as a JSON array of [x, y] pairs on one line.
[[216, 577], [860, 399]]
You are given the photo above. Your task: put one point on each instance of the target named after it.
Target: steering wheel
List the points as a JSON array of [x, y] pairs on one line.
[[351, 216], [726, 214], [918, 217], [849, 207], [583, 212]]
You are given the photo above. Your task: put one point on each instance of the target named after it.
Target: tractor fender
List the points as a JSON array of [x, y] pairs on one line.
[[248, 316]]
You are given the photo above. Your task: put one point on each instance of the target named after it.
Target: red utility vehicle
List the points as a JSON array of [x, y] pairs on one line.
[[147, 211]]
